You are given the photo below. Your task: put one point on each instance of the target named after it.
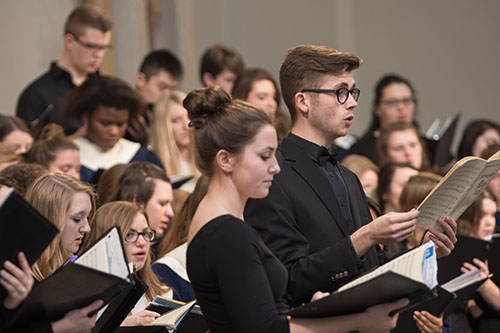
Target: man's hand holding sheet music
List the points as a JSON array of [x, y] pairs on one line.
[[386, 229], [445, 240]]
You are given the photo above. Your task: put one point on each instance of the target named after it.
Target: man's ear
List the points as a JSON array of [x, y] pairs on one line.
[[225, 160], [140, 80], [302, 103], [69, 40], [208, 79]]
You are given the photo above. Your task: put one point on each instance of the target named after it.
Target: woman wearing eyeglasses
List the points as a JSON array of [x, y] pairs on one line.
[[394, 102], [137, 236]]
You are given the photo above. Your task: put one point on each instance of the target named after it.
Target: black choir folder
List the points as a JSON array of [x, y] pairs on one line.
[[23, 229], [449, 297], [466, 249], [412, 275], [101, 272]]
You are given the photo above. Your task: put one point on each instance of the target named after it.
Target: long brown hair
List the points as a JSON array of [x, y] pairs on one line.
[[468, 223], [121, 214], [178, 230], [51, 194]]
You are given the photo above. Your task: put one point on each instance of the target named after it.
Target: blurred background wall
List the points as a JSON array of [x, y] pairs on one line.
[[448, 48]]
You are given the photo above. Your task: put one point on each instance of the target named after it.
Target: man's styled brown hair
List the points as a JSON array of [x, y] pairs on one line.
[[217, 58], [305, 66], [86, 17]]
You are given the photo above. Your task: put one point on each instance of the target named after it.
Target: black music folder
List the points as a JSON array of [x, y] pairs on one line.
[[412, 275], [466, 249], [23, 229], [101, 272], [435, 306], [494, 258], [119, 308]]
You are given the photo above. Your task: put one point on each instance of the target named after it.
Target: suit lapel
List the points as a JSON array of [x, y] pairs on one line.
[[318, 181], [353, 198]]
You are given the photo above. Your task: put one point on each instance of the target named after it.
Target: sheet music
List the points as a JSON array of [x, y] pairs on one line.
[[419, 264], [463, 280], [107, 256], [445, 199]]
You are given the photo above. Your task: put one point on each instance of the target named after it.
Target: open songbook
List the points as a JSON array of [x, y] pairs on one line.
[[192, 322], [463, 286], [100, 273], [174, 317], [412, 275], [457, 190], [23, 229]]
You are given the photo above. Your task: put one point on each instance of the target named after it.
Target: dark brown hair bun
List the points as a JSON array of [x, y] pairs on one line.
[[205, 102], [52, 131]]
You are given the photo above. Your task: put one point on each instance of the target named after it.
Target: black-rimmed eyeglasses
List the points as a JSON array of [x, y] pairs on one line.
[[90, 46], [342, 93], [132, 236]]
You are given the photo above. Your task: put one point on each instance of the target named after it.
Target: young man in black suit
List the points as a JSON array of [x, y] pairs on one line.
[[316, 218]]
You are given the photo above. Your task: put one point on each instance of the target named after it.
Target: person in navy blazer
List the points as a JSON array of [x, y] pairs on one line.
[[316, 218]]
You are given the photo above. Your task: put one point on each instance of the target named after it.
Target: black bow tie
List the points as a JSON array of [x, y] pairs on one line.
[[325, 155]]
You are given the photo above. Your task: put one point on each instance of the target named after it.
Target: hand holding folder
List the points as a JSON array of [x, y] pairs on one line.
[[24, 229], [81, 283]]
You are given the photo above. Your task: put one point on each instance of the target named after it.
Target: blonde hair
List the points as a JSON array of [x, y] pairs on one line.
[[162, 137], [51, 194], [359, 164], [121, 214]]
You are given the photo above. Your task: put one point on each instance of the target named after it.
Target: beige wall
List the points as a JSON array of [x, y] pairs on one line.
[[30, 37], [447, 48]]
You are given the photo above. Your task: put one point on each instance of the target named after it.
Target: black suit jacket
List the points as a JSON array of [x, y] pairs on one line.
[[301, 222]]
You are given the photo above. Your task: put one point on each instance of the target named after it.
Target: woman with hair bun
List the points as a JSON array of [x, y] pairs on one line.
[[237, 281], [56, 152]]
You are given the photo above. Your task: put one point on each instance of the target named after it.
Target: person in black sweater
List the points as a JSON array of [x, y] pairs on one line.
[[237, 281]]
